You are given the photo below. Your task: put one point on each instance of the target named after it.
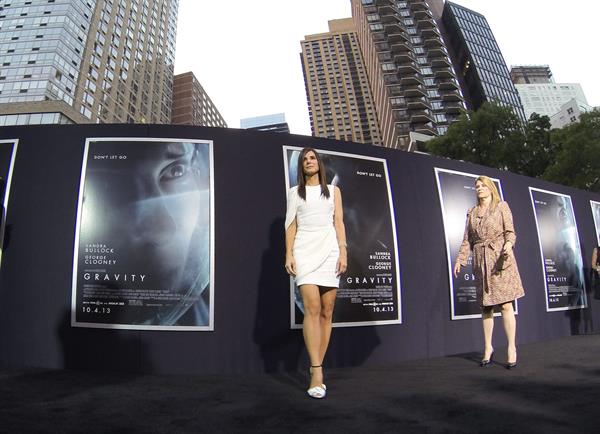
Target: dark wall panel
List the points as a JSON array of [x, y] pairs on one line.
[[251, 288]]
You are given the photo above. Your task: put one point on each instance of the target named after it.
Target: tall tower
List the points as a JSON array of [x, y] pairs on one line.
[[414, 87], [531, 74], [192, 105], [479, 63], [337, 89], [88, 60]]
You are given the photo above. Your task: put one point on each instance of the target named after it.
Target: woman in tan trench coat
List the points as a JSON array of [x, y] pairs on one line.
[[490, 235]]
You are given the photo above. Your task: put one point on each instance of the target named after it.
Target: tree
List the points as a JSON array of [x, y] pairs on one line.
[[577, 162], [486, 136], [532, 156]]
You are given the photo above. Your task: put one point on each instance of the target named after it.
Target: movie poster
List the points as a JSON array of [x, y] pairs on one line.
[[8, 152], [596, 213], [560, 250], [457, 196], [369, 292], [144, 243]]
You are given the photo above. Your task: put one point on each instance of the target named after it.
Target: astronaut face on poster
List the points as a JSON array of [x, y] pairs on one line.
[[149, 205]]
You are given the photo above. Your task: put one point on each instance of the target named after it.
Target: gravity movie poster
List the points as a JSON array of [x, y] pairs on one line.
[[560, 250], [457, 196], [596, 213], [144, 243], [370, 292], [8, 152]]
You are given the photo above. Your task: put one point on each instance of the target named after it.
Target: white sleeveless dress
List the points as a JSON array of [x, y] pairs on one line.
[[315, 249]]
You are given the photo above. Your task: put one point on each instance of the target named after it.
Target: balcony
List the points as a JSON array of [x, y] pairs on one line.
[[400, 115], [451, 96], [382, 3], [397, 38], [427, 128], [422, 14], [447, 84], [392, 28], [444, 73], [401, 47], [388, 18], [433, 42], [415, 91], [438, 52], [431, 32], [454, 107], [386, 8], [408, 68], [440, 62], [411, 80], [425, 24], [418, 103], [405, 57], [395, 90], [418, 5], [421, 116], [402, 128]]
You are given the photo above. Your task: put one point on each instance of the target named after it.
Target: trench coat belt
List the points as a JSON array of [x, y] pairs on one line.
[[488, 245]]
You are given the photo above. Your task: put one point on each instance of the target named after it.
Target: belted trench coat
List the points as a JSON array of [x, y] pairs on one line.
[[497, 278]]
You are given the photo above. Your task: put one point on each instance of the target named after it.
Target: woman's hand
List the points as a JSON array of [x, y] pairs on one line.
[[342, 263], [290, 265], [456, 269], [506, 249]]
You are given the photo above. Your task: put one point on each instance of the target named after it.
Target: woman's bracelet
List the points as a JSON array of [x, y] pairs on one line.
[[342, 245]]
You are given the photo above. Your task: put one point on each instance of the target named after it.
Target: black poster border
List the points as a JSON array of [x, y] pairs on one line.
[[548, 308], [398, 306], [74, 322]]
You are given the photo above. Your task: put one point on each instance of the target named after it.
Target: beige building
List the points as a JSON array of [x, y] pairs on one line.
[[192, 105], [415, 90], [337, 89], [103, 60]]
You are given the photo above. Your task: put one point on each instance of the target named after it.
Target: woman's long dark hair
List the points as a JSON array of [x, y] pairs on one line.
[[302, 179]]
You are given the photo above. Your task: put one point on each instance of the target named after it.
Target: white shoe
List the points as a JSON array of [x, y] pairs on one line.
[[317, 392]]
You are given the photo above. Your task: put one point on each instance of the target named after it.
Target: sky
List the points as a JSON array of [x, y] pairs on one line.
[[246, 54]]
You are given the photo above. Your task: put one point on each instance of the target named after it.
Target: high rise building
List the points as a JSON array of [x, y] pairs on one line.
[[192, 105], [540, 93], [547, 99], [339, 98], [478, 61], [274, 123], [414, 87], [569, 113], [531, 74], [88, 60]]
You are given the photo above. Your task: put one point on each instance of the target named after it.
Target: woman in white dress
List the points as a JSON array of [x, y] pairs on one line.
[[315, 242]]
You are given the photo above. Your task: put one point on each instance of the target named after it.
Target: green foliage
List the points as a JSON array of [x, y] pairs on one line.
[[578, 160], [494, 136]]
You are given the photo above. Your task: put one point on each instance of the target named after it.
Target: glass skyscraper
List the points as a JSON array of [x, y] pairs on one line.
[[479, 63], [415, 90], [87, 60]]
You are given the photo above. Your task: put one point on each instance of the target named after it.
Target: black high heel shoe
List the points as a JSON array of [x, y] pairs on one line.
[[512, 365], [486, 362]]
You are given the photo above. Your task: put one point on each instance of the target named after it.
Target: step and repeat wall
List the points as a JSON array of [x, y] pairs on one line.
[[148, 248]]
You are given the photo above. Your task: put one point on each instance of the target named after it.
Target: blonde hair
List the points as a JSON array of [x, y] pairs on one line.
[[490, 184]]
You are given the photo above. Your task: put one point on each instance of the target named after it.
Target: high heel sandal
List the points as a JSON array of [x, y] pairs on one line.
[[317, 392], [511, 365], [486, 362]]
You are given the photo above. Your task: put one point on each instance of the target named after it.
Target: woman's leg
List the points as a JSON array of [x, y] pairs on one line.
[[487, 316], [510, 328], [312, 330], [327, 303]]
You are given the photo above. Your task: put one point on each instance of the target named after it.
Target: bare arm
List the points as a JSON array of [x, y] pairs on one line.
[[340, 231], [290, 235], [595, 265]]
